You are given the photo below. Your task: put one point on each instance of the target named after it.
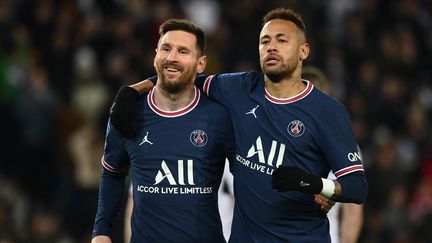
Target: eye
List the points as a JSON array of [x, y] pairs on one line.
[[265, 41], [184, 51], [282, 40], [165, 49]]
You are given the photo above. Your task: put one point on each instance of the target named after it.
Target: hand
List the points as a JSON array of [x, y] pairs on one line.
[[101, 239], [325, 203], [123, 112], [289, 178]]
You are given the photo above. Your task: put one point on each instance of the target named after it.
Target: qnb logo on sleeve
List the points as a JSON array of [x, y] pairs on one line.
[[266, 164], [181, 182], [353, 157]]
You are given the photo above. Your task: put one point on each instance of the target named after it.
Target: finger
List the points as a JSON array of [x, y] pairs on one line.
[[325, 209], [325, 203], [322, 201]]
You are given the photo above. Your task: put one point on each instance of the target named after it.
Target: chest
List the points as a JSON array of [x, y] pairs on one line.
[[290, 126], [176, 140]]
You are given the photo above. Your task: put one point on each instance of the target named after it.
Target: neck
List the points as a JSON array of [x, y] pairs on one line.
[[287, 87], [173, 102]]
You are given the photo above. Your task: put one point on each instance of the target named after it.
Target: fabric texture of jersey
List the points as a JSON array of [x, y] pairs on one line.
[[176, 162], [311, 131]]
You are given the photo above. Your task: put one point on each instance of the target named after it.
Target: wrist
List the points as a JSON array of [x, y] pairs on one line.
[[328, 188]]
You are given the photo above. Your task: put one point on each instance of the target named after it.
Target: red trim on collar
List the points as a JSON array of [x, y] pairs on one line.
[[304, 93], [207, 83], [180, 112]]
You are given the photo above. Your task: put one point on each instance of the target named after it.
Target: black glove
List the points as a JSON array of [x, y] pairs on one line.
[[123, 112], [289, 178]]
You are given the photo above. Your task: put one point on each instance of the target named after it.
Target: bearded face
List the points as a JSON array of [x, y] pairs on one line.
[[282, 48], [177, 61], [174, 76], [277, 68]]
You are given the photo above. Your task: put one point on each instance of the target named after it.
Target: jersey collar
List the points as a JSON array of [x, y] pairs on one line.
[[301, 95], [180, 112]]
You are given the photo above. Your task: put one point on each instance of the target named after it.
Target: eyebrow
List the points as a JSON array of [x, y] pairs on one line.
[[180, 47], [277, 35]]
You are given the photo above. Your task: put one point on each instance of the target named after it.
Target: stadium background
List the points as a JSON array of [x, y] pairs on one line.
[[61, 63]]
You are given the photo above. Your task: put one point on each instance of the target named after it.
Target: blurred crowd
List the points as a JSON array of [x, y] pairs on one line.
[[61, 63]]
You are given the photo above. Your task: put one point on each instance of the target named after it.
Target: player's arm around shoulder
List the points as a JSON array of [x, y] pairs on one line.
[[101, 239], [238, 81]]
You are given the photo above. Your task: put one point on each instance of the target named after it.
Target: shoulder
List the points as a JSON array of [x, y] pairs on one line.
[[239, 75], [239, 78], [212, 107], [326, 103], [325, 109]]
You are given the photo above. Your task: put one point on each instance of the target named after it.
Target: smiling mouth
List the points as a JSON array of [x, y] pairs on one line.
[[171, 69]]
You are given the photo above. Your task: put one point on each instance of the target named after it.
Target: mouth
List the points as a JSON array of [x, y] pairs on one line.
[[171, 69], [271, 60]]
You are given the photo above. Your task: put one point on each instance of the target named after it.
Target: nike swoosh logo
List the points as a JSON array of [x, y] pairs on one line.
[[304, 183]]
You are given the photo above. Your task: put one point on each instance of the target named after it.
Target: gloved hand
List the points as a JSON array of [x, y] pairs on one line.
[[289, 178], [123, 112]]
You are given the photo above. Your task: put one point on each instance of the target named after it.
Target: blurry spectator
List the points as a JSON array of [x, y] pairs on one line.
[[421, 209], [85, 144], [395, 217], [45, 226], [384, 174], [35, 111], [13, 207]]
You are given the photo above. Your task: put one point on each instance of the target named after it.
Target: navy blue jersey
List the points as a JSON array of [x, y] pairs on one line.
[[176, 165], [311, 131]]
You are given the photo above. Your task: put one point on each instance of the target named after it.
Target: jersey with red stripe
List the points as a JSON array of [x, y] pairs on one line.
[[176, 165], [311, 131]]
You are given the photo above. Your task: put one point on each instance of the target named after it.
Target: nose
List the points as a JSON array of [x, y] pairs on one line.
[[172, 56], [271, 47]]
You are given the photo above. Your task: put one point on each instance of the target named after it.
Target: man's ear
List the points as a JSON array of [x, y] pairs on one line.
[[304, 51], [154, 59], [201, 65]]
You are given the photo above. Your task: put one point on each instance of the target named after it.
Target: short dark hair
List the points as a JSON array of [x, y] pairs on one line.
[[187, 26], [286, 14]]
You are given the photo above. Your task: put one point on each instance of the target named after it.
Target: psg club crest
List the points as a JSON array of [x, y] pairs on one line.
[[296, 128], [198, 138]]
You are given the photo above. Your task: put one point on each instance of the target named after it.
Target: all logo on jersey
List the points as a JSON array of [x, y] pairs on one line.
[[165, 173], [267, 159], [181, 182], [198, 138], [257, 149], [296, 128]]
